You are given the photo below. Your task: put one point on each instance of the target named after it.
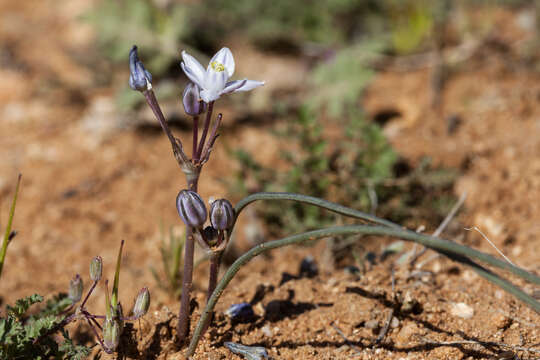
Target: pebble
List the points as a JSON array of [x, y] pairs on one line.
[[462, 310], [241, 311], [405, 335], [371, 324], [267, 331], [352, 270], [501, 321], [248, 352], [308, 267]]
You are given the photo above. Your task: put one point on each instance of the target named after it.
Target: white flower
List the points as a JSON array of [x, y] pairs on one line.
[[214, 81]]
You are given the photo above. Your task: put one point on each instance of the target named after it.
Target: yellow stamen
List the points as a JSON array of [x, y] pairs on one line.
[[219, 67]]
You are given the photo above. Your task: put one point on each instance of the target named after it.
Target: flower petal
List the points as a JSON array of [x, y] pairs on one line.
[[193, 69], [191, 76], [249, 85], [215, 80], [209, 95], [224, 57], [233, 85]]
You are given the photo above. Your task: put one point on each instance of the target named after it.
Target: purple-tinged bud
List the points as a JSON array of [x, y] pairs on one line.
[[111, 335], [96, 267], [75, 289], [142, 303], [191, 208], [221, 214], [139, 78], [193, 105]]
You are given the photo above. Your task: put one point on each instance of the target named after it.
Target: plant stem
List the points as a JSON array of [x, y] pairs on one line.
[[215, 261], [154, 105], [195, 136], [344, 230], [205, 129], [7, 235], [88, 294], [187, 278], [182, 328]]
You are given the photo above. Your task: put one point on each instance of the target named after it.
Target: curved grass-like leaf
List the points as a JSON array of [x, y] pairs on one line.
[[454, 251], [345, 230]]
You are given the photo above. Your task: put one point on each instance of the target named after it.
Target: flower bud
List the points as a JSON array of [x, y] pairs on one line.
[[142, 303], [111, 334], [139, 78], [191, 208], [192, 101], [75, 289], [221, 214], [96, 266]]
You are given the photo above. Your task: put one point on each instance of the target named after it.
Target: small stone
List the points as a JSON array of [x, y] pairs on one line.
[[240, 312], [352, 270], [371, 324], [308, 267], [501, 321], [267, 331], [248, 352], [410, 304], [462, 310], [394, 323], [517, 250], [405, 335]]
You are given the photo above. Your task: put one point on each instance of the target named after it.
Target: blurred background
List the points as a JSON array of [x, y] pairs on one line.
[[394, 107]]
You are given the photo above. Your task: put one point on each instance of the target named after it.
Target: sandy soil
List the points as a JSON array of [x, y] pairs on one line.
[[89, 182]]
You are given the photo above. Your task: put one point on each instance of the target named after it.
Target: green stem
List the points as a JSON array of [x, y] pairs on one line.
[[116, 283], [349, 230], [9, 225], [337, 208]]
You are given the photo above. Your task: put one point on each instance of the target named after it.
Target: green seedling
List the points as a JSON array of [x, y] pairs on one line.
[[113, 320], [8, 234]]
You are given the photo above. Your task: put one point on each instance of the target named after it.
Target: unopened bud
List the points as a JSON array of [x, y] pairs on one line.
[[142, 303], [139, 78], [96, 266], [75, 289], [192, 102], [191, 208], [111, 334], [221, 214]]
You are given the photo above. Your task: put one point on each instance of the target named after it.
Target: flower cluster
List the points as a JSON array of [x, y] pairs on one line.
[[193, 213]]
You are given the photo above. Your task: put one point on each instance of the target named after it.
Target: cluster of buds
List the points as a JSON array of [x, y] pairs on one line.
[[113, 321], [193, 212]]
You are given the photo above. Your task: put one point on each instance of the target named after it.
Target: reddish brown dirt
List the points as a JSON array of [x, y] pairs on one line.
[[83, 190]]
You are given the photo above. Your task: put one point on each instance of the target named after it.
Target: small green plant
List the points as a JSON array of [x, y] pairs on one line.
[[24, 336], [171, 257], [8, 234], [19, 330]]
